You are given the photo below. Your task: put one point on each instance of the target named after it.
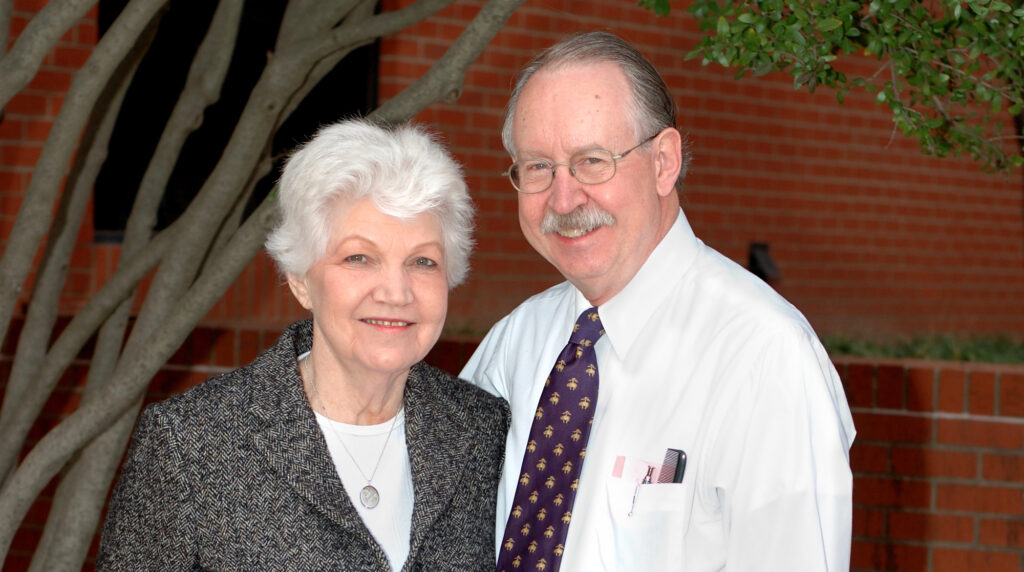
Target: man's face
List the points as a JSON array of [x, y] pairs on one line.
[[576, 108]]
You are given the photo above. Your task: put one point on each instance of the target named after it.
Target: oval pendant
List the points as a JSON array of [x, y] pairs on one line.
[[369, 496]]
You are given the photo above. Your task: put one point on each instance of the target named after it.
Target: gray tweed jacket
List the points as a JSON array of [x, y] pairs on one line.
[[234, 474]]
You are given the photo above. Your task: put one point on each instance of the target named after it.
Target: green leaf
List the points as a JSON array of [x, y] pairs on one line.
[[829, 24]]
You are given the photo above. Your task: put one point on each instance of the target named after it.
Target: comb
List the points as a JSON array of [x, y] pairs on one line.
[[673, 468]]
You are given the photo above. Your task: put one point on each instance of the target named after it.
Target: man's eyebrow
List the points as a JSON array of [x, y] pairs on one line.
[[579, 149]]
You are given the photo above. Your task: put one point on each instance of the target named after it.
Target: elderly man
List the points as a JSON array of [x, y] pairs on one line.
[[719, 437]]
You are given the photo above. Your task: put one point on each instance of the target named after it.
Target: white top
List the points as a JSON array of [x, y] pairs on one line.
[[391, 520], [698, 355]]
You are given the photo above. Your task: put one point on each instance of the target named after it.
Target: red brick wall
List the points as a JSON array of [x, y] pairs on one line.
[[938, 465], [938, 461], [871, 237]]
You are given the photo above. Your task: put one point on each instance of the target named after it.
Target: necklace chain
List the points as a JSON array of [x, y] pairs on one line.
[[330, 423]]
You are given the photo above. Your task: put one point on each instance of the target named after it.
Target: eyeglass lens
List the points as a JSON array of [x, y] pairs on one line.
[[589, 167]]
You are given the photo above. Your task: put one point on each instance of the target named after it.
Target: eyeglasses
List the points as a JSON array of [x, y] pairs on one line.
[[590, 167]]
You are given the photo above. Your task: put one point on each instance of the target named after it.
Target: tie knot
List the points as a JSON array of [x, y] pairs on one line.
[[587, 329]]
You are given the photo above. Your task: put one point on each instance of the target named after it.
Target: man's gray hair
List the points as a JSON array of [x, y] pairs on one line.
[[654, 108], [404, 170]]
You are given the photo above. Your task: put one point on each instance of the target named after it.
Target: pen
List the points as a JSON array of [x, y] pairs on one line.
[[646, 481]]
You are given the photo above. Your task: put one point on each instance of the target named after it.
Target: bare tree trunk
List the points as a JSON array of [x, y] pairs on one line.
[[5, 29], [191, 277], [20, 65], [46, 296], [34, 216], [95, 415], [78, 502]]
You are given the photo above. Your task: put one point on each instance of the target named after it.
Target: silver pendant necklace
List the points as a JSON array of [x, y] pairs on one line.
[[369, 496]]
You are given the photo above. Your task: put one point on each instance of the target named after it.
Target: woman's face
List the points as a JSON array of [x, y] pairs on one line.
[[379, 295]]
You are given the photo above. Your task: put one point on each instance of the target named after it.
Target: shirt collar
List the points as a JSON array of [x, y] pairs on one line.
[[625, 314]]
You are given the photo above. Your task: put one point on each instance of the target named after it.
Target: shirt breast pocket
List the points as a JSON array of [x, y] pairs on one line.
[[650, 536]]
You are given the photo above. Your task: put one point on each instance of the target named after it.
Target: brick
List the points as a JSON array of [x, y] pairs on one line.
[[889, 388], [22, 156], [70, 57], [979, 499], [37, 130], [249, 346], [888, 556], [868, 523], [928, 462], [951, 390], [222, 349], [876, 492], [1001, 532], [865, 458], [924, 526], [960, 560], [1011, 394], [12, 129], [173, 382], [892, 427], [55, 81], [1001, 434], [920, 388], [998, 467], [981, 393], [860, 385]]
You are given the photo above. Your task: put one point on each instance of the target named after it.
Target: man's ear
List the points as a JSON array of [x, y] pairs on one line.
[[668, 155], [299, 290]]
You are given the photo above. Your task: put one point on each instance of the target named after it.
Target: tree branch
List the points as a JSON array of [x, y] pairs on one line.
[[20, 65], [444, 79], [130, 378], [34, 216]]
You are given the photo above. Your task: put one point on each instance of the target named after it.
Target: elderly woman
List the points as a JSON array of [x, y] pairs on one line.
[[337, 448]]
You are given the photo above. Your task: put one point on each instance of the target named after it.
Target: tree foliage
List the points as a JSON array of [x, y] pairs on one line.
[[191, 262], [950, 71]]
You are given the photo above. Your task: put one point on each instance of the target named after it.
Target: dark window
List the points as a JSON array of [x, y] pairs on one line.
[[349, 89]]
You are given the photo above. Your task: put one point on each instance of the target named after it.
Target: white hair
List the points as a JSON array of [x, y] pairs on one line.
[[403, 170]]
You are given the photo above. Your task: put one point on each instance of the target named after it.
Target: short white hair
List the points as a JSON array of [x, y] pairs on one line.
[[404, 170]]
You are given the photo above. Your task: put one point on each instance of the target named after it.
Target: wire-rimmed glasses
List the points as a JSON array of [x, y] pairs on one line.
[[590, 167]]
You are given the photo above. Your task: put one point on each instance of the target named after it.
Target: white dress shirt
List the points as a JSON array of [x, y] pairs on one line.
[[698, 355]]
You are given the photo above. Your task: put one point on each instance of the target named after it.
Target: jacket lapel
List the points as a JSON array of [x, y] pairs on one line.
[[287, 436], [438, 447]]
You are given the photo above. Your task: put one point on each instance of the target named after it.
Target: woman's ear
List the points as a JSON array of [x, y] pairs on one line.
[[299, 290], [668, 156]]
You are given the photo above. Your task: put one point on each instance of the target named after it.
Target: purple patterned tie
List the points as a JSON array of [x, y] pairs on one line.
[[542, 509]]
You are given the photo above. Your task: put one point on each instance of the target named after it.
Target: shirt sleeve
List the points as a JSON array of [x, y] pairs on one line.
[[150, 522], [486, 368], [789, 504]]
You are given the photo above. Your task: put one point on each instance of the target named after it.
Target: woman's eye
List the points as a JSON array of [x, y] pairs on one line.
[[425, 262], [356, 259]]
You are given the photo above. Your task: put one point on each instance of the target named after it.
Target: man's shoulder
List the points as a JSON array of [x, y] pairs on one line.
[[741, 298], [541, 306]]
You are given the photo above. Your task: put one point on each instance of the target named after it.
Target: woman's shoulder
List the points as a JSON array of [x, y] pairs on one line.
[[262, 379], [456, 392], [205, 402]]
